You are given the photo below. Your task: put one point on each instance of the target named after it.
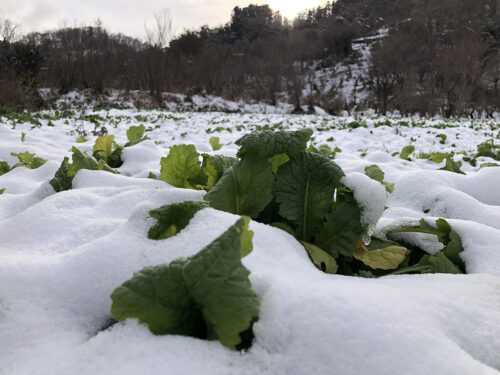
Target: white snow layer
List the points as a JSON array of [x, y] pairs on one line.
[[62, 255], [370, 195]]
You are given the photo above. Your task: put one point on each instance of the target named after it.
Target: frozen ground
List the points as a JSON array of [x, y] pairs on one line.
[[61, 255]]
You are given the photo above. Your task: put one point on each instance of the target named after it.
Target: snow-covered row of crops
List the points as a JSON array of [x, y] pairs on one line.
[[63, 254]]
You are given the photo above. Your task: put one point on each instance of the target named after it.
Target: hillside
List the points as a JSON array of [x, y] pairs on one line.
[[428, 58]]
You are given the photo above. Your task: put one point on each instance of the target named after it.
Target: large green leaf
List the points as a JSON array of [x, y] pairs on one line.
[[173, 218], [245, 188], [268, 143], [182, 167], [206, 295], [304, 190], [342, 230]]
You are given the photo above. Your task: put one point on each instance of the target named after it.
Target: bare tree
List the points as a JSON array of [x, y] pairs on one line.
[[161, 32], [8, 30]]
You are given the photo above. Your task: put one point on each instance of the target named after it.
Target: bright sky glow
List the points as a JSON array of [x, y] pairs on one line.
[[290, 8], [129, 16]]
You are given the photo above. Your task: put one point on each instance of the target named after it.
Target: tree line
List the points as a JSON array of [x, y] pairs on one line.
[[437, 58]]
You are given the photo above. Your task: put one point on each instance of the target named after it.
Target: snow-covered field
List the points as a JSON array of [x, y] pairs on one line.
[[63, 254]]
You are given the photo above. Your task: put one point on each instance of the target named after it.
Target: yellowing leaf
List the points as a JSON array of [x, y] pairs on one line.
[[103, 146], [386, 258], [321, 259]]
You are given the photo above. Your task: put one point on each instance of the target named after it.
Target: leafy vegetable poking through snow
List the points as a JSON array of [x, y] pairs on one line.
[[103, 150], [4, 167], [406, 152], [182, 167], [173, 218], [63, 179], [28, 160], [377, 174], [215, 143], [277, 181], [207, 295], [135, 135], [447, 260]]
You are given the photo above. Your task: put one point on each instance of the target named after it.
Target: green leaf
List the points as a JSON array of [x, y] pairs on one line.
[[135, 133], [445, 234], [28, 160], [277, 161], [342, 231], [285, 227], [324, 150], [488, 149], [82, 160], [268, 143], [321, 259], [182, 167], [406, 152], [440, 263], [377, 174], [23, 137], [452, 242], [381, 254], [81, 139], [62, 180], [304, 190], [173, 218], [2, 191], [4, 167], [215, 143], [244, 189], [438, 157], [206, 295], [452, 166], [133, 143], [488, 165]]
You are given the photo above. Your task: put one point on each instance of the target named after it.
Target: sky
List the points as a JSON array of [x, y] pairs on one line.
[[130, 16]]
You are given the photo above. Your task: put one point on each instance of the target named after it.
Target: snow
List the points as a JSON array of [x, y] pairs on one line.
[[61, 256], [370, 195]]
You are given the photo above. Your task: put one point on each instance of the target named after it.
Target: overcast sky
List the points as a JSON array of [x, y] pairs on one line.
[[129, 16]]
